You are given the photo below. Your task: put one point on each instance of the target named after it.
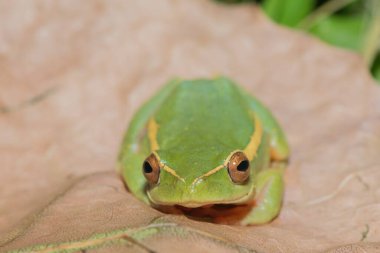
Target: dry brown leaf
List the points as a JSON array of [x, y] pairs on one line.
[[72, 73]]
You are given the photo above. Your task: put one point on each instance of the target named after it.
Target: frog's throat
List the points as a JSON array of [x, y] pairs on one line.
[[250, 150]]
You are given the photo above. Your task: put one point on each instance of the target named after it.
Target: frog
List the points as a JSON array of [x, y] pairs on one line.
[[204, 142]]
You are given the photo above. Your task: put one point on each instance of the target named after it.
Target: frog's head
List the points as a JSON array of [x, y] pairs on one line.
[[227, 182], [206, 171]]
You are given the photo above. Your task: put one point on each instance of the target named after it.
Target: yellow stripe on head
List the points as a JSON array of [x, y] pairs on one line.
[[253, 145], [213, 171], [167, 168], [171, 171], [152, 134]]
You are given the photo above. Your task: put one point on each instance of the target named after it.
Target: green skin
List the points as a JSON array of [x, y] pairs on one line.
[[200, 123]]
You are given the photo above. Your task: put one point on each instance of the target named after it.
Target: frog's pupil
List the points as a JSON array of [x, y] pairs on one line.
[[243, 166], [147, 168]]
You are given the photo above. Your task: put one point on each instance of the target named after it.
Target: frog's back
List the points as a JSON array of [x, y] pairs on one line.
[[209, 116]]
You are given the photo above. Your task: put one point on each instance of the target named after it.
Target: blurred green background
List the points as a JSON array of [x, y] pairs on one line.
[[350, 24]]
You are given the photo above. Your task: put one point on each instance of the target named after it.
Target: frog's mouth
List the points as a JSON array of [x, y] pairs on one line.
[[188, 202], [217, 213]]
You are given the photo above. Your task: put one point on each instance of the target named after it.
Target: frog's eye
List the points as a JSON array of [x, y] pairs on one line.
[[238, 167], [151, 169]]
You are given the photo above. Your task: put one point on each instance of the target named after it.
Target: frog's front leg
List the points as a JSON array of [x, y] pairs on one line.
[[269, 193]]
